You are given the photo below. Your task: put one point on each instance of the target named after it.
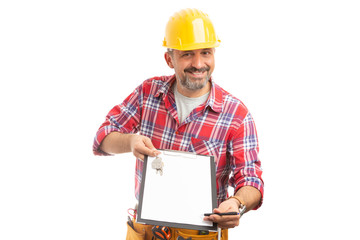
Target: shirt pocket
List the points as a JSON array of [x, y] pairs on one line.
[[202, 147]]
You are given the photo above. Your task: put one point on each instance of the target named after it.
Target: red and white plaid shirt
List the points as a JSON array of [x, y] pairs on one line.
[[221, 127]]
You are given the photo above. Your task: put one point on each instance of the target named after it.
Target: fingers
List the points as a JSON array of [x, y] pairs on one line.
[[153, 152], [229, 224], [224, 221], [229, 221], [142, 146]]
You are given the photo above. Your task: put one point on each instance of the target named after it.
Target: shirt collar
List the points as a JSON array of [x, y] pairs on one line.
[[215, 100], [166, 86]]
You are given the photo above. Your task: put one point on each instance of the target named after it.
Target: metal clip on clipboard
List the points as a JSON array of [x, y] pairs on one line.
[[179, 153], [158, 164]]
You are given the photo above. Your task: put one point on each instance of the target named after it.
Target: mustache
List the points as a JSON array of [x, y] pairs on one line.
[[194, 69]]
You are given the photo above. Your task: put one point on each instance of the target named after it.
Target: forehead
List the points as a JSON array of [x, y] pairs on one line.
[[194, 51]]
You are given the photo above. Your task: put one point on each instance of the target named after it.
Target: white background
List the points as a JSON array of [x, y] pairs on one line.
[[65, 64]]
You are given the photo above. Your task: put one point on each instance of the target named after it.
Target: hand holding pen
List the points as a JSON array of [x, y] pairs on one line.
[[226, 215], [222, 214]]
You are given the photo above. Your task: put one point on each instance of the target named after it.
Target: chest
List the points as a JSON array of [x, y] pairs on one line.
[[203, 131]]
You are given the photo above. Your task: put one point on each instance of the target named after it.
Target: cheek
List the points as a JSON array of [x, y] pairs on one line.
[[180, 68], [212, 63]]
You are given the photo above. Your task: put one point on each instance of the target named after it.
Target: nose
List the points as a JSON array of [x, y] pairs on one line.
[[197, 61]]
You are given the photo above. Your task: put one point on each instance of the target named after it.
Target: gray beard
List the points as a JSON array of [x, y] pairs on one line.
[[190, 85]]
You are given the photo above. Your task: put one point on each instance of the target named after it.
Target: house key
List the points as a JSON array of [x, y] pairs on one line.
[[158, 164]]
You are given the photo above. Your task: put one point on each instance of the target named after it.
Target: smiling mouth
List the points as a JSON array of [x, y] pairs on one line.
[[197, 72]]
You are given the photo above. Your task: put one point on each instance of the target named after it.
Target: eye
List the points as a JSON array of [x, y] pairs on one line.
[[208, 52]]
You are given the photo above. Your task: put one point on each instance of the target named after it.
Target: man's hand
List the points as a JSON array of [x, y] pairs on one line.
[[141, 146], [249, 196], [229, 221]]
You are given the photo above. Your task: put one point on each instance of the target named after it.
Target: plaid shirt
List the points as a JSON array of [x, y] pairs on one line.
[[221, 127]]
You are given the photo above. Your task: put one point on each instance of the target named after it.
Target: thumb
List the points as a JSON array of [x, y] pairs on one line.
[[153, 152], [223, 207], [216, 210]]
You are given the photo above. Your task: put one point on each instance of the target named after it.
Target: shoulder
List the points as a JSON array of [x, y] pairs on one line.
[[158, 80], [230, 103], [157, 84]]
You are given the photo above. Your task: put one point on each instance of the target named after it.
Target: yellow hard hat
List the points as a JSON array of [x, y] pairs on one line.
[[190, 29]]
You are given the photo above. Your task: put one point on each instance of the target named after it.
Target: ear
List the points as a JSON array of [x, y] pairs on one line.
[[168, 60]]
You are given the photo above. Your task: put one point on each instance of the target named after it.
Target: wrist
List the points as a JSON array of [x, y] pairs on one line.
[[234, 201], [240, 203], [237, 200]]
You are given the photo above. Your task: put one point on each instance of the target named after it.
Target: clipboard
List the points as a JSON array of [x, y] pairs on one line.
[[181, 195]]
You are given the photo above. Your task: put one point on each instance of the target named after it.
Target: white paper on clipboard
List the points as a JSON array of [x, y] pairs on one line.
[[182, 194]]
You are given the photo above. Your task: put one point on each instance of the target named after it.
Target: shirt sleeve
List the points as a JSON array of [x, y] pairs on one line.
[[123, 118], [244, 158]]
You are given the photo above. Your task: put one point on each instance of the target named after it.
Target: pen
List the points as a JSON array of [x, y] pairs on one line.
[[222, 214]]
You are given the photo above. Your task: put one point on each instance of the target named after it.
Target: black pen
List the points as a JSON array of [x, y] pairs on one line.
[[222, 214]]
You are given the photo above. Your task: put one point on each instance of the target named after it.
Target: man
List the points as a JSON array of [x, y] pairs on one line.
[[189, 112]]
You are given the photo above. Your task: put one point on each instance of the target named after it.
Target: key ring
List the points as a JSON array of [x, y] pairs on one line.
[[134, 212]]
